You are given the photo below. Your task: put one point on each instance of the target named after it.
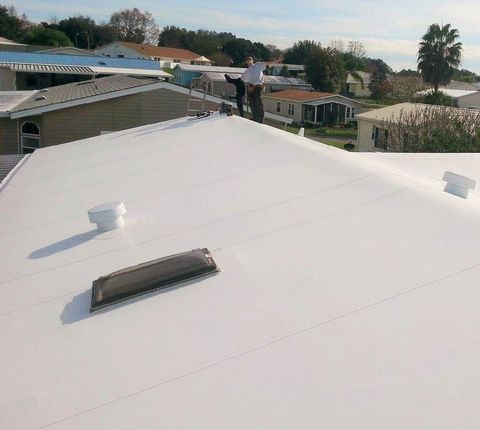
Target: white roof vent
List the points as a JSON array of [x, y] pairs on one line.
[[458, 185], [108, 216], [301, 132]]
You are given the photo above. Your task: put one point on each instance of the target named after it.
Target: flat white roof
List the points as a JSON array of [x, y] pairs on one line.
[[456, 94], [348, 296]]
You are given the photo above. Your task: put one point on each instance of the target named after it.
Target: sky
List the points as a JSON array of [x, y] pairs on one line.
[[388, 30]]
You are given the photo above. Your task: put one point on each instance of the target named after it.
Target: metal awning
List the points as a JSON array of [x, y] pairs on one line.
[[49, 68]]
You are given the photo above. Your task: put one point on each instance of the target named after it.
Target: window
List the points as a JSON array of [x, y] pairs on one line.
[[291, 109], [348, 112], [29, 137], [121, 56], [279, 107], [176, 60], [353, 113]]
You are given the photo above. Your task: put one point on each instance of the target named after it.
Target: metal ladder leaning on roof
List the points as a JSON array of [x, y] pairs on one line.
[[193, 106]]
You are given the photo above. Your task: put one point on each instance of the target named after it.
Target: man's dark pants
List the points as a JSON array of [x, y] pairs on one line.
[[255, 101]]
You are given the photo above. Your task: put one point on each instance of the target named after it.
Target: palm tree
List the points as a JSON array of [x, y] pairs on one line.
[[439, 54]]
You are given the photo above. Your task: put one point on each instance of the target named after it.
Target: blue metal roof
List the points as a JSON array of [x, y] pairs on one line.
[[77, 60]]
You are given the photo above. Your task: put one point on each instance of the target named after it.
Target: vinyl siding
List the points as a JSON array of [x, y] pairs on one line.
[[8, 136], [89, 120]]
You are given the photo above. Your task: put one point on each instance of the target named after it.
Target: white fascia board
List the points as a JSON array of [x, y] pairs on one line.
[[141, 72], [87, 100]]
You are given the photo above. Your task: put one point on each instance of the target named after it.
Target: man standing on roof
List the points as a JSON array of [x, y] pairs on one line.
[[253, 77], [240, 87]]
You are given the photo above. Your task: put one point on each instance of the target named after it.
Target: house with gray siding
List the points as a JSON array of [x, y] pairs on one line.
[[35, 119]]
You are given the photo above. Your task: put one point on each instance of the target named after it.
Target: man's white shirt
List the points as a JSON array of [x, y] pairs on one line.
[[254, 74]]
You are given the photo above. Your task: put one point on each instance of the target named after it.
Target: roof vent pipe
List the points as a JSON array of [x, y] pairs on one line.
[[301, 132], [458, 185], [108, 216]]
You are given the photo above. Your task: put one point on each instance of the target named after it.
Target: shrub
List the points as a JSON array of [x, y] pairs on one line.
[[435, 129]]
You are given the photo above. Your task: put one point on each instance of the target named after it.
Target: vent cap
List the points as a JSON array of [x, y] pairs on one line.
[[108, 216], [151, 276], [458, 185]]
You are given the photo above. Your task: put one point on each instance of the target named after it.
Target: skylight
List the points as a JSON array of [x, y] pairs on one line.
[[150, 276]]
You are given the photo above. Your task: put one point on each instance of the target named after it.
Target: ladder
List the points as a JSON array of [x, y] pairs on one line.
[[196, 105]]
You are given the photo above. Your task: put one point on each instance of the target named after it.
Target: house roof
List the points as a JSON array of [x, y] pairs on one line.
[[85, 92], [10, 99], [291, 67], [395, 111], [455, 94], [96, 63], [68, 49], [460, 85], [161, 51], [5, 41], [298, 95], [7, 165], [342, 292], [351, 79], [202, 68], [220, 77], [56, 97]]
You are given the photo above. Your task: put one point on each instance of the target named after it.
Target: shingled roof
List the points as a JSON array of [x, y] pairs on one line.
[[82, 90], [162, 51]]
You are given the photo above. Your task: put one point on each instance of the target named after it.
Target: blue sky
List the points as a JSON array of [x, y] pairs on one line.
[[388, 31]]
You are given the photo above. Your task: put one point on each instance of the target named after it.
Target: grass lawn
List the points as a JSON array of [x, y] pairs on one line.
[[342, 133]]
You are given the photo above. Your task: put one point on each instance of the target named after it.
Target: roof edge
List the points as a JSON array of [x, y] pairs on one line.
[[86, 100], [13, 172]]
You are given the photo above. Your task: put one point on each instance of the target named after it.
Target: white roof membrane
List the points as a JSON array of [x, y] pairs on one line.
[[348, 296]]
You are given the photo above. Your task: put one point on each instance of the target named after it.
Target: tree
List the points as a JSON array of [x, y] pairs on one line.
[[133, 25], [285, 72], [357, 49], [11, 25], [379, 85], [439, 54], [42, 35], [79, 29], [434, 129], [220, 59], [300, 52], [338, 45], [325, 70], [405, 86]]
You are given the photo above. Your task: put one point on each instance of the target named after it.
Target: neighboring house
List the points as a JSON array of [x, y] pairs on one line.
[[185, 73], [461, 98], [30, 71], [168, 57], [8, 163], [84, 109], [460, 85], [10, 45], [67, 50], [32, 120], [347, 296], [276, 69], [373, 125], [357, 84], [215, 84], [313, 107]]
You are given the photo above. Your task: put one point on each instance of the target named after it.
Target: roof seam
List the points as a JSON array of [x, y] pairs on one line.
[[267, 344]]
